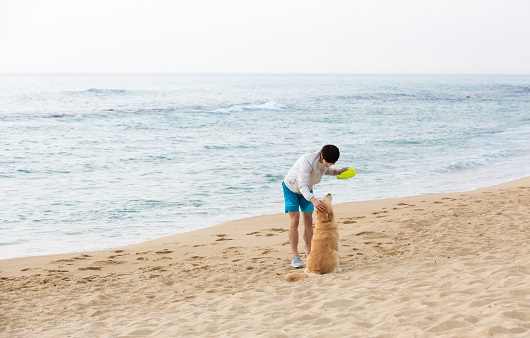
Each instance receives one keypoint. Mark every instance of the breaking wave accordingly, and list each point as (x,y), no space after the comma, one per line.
(267,105)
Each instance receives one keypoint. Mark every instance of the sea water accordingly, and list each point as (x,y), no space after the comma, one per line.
(90,162)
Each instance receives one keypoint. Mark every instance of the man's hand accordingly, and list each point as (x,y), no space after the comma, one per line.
(318,204)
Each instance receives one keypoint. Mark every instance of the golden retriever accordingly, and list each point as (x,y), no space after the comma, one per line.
(324,256)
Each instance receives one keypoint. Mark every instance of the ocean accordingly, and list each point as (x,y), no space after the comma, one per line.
(91,162)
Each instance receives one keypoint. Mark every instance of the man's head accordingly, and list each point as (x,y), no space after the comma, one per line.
(330,154)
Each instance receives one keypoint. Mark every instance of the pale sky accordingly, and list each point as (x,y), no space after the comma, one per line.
(265,36)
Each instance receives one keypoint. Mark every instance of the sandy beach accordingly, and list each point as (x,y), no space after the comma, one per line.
(452,265)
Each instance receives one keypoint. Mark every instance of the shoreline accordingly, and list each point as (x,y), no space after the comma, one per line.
(437,264)
(118,247)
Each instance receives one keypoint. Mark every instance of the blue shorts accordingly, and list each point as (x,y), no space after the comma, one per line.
(296,202)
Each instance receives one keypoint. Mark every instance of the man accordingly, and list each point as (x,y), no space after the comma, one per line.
(298,194)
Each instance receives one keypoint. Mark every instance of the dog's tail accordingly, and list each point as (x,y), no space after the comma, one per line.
(295,276)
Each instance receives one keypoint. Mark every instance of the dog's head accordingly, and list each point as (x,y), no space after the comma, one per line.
(323,216)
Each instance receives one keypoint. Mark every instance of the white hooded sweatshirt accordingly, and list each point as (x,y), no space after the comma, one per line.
(305,173)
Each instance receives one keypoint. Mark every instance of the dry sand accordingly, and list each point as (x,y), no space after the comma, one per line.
(452,265)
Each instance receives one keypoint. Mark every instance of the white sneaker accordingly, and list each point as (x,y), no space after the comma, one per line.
(297,262)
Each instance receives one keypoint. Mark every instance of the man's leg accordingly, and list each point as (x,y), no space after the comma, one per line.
(308,231)
(294,218)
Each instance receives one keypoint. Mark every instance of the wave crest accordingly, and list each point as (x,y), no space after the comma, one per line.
(238,108)
(476,161)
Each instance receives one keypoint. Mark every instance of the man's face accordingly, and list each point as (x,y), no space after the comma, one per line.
(326,163)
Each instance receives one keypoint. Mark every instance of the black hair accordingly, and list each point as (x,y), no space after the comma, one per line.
(330,153)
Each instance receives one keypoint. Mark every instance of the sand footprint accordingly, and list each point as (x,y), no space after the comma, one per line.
(274,231)
(233,250)
(163,251)
(95,268)
(222,237)
(119,252)
(267,250)
(277,229)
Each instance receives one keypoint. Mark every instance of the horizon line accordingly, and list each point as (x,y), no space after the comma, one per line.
(263,73)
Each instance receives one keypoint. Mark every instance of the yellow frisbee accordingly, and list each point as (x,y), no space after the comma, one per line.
(347,174)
